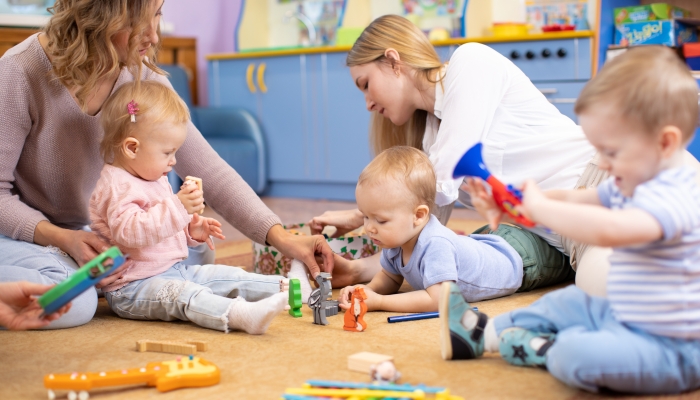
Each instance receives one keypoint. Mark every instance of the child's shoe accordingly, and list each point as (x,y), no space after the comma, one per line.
(516,347)
(457,342)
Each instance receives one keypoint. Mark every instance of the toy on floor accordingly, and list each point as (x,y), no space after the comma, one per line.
(416,317)
(88,275)
(318,389)
(295,298)
(363,362)
(198,182)
(185,347)
(354,316)
(384,372)
(320,300)
(165,376)
(472,164)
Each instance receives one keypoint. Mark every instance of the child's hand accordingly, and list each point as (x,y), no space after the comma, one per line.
(202,229)
(533,199)
(483,201)
(373,301)
(191,197)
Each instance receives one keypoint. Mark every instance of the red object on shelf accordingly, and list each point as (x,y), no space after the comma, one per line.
(691,50)
(558,27)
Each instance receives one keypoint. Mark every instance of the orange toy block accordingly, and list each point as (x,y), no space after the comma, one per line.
(354,321)
(198,181)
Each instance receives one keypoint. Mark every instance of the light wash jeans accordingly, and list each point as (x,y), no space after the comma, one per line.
(592,350)
(201,294)
(22,261)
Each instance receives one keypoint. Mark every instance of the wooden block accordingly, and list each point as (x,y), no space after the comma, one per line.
(362,362)
(170,346)
(198,181)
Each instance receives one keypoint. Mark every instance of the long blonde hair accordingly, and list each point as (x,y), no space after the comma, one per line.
(416,52)
(79,41)
(155,103)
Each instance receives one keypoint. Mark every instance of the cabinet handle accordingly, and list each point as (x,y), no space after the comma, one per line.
(261,77)
(249,78)
(565,101)
(548,91)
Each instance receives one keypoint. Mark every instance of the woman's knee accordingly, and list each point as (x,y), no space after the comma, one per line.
(81,312)
(592,270)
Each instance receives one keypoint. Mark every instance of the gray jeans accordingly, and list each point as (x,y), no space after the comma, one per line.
(22,261)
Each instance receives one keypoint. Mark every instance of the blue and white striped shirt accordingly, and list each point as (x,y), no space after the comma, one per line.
(656,286)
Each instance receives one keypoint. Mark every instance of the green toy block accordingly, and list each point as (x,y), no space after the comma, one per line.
(295,298)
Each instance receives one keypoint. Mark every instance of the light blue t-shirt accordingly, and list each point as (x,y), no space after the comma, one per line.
(656,286)
(484,266)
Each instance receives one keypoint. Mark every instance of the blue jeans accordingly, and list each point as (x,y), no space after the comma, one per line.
(22,261)
(593,350)
(201,294)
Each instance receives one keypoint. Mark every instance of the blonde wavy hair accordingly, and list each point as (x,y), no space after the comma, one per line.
(155,102)
(79,41)
(416,52)
(408,165)
(647,85)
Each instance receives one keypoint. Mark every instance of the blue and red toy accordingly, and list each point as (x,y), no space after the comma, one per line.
(506,197)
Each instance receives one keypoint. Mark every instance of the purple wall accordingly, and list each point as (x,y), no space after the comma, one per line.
(212,22)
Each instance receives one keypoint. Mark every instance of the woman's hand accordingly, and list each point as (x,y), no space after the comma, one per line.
(302,248)
(191,197)
(344,222)
(483,201)
(20,309)
(201,229)
(373,301)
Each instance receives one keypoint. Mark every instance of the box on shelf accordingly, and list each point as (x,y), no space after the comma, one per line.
(671,32)
(691,52)
(649,12)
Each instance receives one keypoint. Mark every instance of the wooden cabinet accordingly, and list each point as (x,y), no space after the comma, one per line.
(174,50)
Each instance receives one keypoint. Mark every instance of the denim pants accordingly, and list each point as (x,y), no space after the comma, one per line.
(201,294)
(592,350)
(22,261)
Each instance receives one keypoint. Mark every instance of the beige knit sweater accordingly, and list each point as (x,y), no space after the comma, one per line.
(50,161)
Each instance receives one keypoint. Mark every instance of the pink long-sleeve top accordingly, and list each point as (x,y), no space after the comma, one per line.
(144,219)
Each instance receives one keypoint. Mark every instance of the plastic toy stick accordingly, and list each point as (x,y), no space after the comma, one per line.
(88,275)
(472,164)
(416,317)
(165,376)
(365,394)
(362,385)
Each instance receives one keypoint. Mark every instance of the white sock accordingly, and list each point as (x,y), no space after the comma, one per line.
(469,320)
(298,271)
(254,318)
(537,342)
(490,338)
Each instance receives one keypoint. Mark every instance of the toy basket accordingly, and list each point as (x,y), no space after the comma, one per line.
(268,260)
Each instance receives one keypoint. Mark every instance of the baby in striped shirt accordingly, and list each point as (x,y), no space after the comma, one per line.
(134,208)
(640,113)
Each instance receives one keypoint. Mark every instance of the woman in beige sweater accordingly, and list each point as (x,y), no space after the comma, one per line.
(53,87)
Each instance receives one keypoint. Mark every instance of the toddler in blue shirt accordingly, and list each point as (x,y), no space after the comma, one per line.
(640,112)
(395,194)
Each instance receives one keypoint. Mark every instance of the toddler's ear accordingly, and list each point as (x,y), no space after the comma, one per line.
(671,140)
(130,147)
(421,214)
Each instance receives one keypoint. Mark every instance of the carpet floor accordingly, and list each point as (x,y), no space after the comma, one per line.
(291,352)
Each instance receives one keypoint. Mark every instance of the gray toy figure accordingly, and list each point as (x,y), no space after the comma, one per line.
(320,300)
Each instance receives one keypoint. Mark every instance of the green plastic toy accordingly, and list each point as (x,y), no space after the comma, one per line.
(295,298)
(88,275)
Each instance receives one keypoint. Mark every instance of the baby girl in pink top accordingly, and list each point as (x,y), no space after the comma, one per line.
(134,208)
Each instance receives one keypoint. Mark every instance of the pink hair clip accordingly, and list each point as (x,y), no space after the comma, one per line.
(133,108)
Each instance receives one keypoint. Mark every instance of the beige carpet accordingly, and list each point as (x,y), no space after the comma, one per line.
(261,367)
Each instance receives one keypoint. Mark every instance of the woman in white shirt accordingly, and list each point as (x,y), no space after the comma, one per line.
(444,109)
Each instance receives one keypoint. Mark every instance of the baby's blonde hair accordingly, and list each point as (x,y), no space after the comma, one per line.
(405,164)
(156,103)
(648,85)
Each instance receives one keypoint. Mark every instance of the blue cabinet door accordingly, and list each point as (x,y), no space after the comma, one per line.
(345,121)
(562,94)
(282,116)
(228,85)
